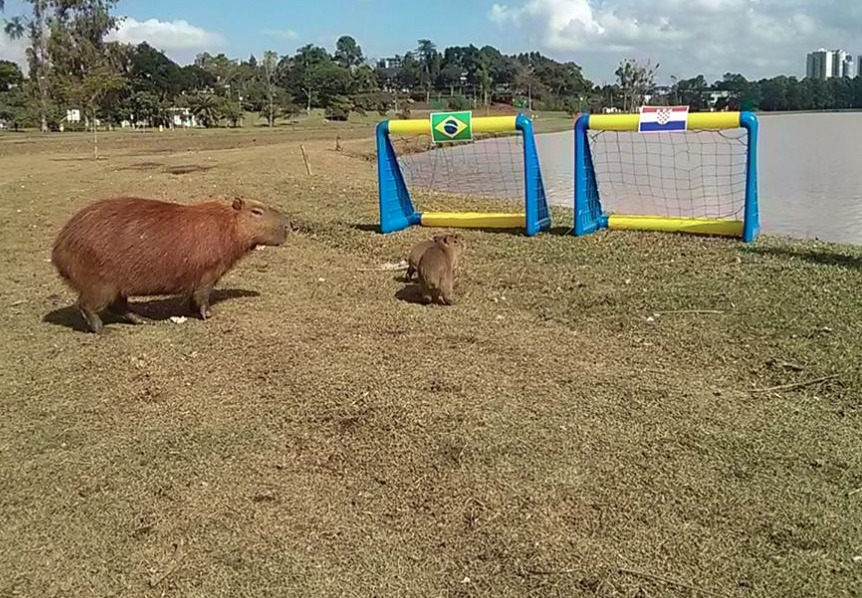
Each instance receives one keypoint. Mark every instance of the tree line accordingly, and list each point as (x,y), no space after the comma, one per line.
(72,66)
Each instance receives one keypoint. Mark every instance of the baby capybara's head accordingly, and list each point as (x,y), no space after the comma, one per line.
(259,223)
(453,242)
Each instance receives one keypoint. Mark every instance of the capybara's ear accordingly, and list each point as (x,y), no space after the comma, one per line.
(238,203)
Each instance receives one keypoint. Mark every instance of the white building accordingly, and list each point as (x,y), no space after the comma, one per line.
(842,64)
(826,64)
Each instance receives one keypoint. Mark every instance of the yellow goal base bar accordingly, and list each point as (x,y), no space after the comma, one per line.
(473,220)
(699,226)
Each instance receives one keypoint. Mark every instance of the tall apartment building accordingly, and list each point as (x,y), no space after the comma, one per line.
(826,64)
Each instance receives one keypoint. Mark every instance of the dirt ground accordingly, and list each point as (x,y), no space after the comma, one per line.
(624,415)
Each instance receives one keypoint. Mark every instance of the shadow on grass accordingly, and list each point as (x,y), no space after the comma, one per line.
(187,169)
(153,309)
(825,258)
(412,293)
(556,231)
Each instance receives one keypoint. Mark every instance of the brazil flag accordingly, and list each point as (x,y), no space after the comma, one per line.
(451,126)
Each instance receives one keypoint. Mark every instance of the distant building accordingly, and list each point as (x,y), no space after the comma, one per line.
(391,63)
(182,117)
(714,97)
(842,65)
(828,64)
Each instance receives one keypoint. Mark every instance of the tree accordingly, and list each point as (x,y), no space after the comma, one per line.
(409,76)
(450,76)
(348,54)
(15,28)
(92,90)
(297,73)
(635,80)
(219,66)
(232,111)
(365,80)
(35,29)
(194,79)
(269,67)
(430,65)
(16,107)
(207,108)
(150,70)
(10,75)
(143,106)
(690,92)
(338,108)
(84,67)
(327,80)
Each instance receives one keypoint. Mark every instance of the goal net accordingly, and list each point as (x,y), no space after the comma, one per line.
(701,180)
(494,163)
(491,167)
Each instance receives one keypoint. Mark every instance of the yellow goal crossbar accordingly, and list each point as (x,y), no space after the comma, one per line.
(696,121)
(473,220)
(480,124)
(702,226)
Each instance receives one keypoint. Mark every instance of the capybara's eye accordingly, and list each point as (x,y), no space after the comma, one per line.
(257,211)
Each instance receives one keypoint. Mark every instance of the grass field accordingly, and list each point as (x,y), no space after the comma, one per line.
(593,419)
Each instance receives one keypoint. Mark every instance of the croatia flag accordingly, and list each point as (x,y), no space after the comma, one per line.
(655,119)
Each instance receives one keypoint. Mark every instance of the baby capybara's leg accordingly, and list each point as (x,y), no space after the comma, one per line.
(121,308)
(425,292)
(447,297)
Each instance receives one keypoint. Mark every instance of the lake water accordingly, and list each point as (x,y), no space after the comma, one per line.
(810,174)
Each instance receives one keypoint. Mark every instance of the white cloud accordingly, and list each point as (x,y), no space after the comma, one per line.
(14,50)
(179,39)
(687,37)
(286,34)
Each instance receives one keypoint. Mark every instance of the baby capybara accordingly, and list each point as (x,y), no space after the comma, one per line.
(437,270)
(419,250)
(116,248)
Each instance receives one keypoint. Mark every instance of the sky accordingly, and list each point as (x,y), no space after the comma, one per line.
(758,38)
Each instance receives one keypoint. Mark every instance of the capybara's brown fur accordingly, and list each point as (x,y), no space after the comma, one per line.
(116,248)
(419,250)
(437,270)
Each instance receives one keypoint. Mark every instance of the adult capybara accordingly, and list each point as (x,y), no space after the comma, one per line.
(116,248)
(437,270)
(419,250)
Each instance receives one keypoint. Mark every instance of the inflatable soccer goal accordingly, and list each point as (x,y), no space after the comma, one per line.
(455,156)
(667,170)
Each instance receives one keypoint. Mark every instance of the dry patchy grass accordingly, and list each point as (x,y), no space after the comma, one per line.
(581,415)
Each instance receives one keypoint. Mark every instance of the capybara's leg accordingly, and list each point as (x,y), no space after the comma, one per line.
(121,308)
(93,301)
(200,302)
(410,271)
(94,322)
